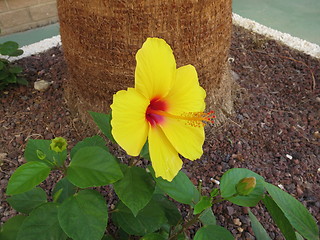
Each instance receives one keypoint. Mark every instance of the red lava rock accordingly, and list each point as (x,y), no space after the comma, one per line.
(245,210)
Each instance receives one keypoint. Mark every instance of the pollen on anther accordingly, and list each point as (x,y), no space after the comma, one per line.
(198,119)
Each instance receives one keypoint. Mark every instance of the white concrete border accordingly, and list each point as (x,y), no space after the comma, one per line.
(285,38)
(38,47)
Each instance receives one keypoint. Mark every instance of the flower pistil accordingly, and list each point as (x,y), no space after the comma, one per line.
(195,119)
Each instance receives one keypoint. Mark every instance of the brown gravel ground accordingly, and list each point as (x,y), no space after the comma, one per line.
(276,116)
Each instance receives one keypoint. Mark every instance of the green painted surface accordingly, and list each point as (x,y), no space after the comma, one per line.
(33,35)
(300,18)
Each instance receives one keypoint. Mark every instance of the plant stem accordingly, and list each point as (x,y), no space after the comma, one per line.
(114,210)
(185,226)
(195,218)
(64,169)
(224,199)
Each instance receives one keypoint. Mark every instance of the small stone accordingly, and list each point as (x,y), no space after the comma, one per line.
(240,229)
(299,191)
(24,98)
(230,210)
(289,156)
(42,85)
(248,236)
(20,160)
(235,75)
(246,115)
(316,134)
(49,136)
(19,139)
(296,144)
(318,99)
(237,222)
(215,181)
(3,156)
(244,219)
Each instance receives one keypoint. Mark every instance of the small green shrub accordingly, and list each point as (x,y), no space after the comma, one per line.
(10,73)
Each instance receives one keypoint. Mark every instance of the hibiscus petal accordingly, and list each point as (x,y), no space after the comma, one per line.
(186,95)
(186,139)
(165,159)
(129,125)
(155,70)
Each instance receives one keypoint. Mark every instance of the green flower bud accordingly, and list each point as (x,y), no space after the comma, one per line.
(246,185)
(59,144)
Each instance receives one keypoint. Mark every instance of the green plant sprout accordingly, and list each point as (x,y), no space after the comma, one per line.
(10,73)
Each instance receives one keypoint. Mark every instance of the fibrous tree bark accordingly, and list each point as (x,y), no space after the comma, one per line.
(101,37)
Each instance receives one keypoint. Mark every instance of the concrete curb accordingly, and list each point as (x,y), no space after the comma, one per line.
(309,48)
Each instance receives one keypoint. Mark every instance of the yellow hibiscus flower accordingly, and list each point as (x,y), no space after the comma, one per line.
(165,106)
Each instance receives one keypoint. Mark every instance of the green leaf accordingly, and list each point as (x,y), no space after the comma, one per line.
(1,65)
(214,192)
(27,201)
(107,237)
(148,220)
(15,69)
(3,60)
(230,179)
(279,218)
(169,208)
(296,213)
(145,151)
(16,53)
(9,230)
(42,224)
(122,235)
(135,189)
(180,189)
(204,203)
(11,78)
(26,177)
(298,236)
(93,167)
(213,232)
(207,217)
(8,48)
(104,123)
(22,81)
(33,145)
(63,189)
(258,229)
(3,74)
(89,142)
(153,236)
(84,216)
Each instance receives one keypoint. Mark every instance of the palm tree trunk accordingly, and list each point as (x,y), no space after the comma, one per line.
(100,39)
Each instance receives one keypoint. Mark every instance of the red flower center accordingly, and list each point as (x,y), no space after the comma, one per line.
(156,104)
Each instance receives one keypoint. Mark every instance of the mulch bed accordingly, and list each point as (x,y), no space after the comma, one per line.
(273,132)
